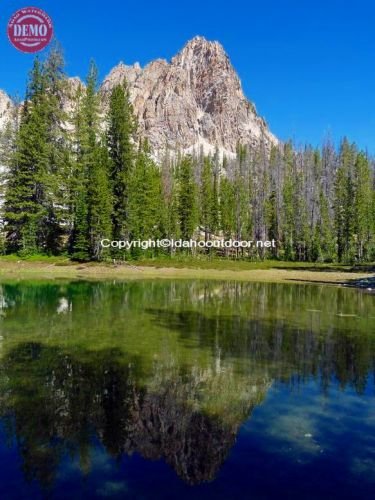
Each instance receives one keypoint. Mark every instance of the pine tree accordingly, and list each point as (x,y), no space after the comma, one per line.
(93,199)
(326,223)
(272,202)
(362,202)
(187,202)
(120,140)
(34,201)
(145,199)
(59,157)
(302,232)
(207,200)
(344,194)
(243,196)
(215,211)
(227,207)
(169,186)
(7,150)
(289,208)
(25,192)
(79,247)
(271,218)
(99,201)
(80,242)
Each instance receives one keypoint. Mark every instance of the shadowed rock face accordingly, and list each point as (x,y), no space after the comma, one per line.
(55,401)
(163,426)
(195,100)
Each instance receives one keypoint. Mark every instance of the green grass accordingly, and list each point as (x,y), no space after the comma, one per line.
(39,258)
(202,262)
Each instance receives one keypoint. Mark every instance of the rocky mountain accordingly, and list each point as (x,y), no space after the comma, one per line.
(6,106)
(193,101)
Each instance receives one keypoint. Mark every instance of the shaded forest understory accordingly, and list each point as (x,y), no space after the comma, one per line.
(71,182)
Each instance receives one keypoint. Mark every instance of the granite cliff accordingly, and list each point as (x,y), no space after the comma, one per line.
(194,101)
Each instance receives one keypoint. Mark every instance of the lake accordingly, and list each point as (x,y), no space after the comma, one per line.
(187,390)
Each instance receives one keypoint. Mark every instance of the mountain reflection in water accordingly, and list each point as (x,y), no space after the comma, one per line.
(129,368)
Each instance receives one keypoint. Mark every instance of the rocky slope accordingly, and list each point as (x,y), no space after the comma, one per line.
(193,101)
(6,107)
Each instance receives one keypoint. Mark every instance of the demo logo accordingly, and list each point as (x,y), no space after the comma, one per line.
(30,29)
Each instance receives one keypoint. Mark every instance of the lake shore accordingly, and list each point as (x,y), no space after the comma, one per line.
(333,275)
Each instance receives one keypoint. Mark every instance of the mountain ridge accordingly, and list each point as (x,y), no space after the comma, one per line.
(193,102)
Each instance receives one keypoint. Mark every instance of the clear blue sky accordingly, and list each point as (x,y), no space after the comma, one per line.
(308,65)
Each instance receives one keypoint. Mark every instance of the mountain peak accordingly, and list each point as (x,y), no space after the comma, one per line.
(119,73)
(193,102)
(200,42)
(200,50)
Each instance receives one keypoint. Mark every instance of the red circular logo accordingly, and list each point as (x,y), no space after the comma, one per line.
(30,29)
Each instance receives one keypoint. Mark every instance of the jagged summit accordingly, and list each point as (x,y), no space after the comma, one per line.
(200,45)
(193,101)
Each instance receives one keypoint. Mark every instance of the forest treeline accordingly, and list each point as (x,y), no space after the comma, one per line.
(70,182)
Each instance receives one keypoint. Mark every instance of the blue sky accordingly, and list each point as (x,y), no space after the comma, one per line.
(308,65)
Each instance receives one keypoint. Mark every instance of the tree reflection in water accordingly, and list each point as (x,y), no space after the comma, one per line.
(128,366)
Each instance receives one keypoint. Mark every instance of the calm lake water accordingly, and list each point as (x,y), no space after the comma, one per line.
(186,390)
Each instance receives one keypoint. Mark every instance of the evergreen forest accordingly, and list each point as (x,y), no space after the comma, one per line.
(73,179)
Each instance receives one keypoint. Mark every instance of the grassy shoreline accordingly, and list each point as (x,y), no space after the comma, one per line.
(268,271)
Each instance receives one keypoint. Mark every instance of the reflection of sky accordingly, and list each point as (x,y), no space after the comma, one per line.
(302,431)
(12,482)
(313,424)
(305,439)
(297,441)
